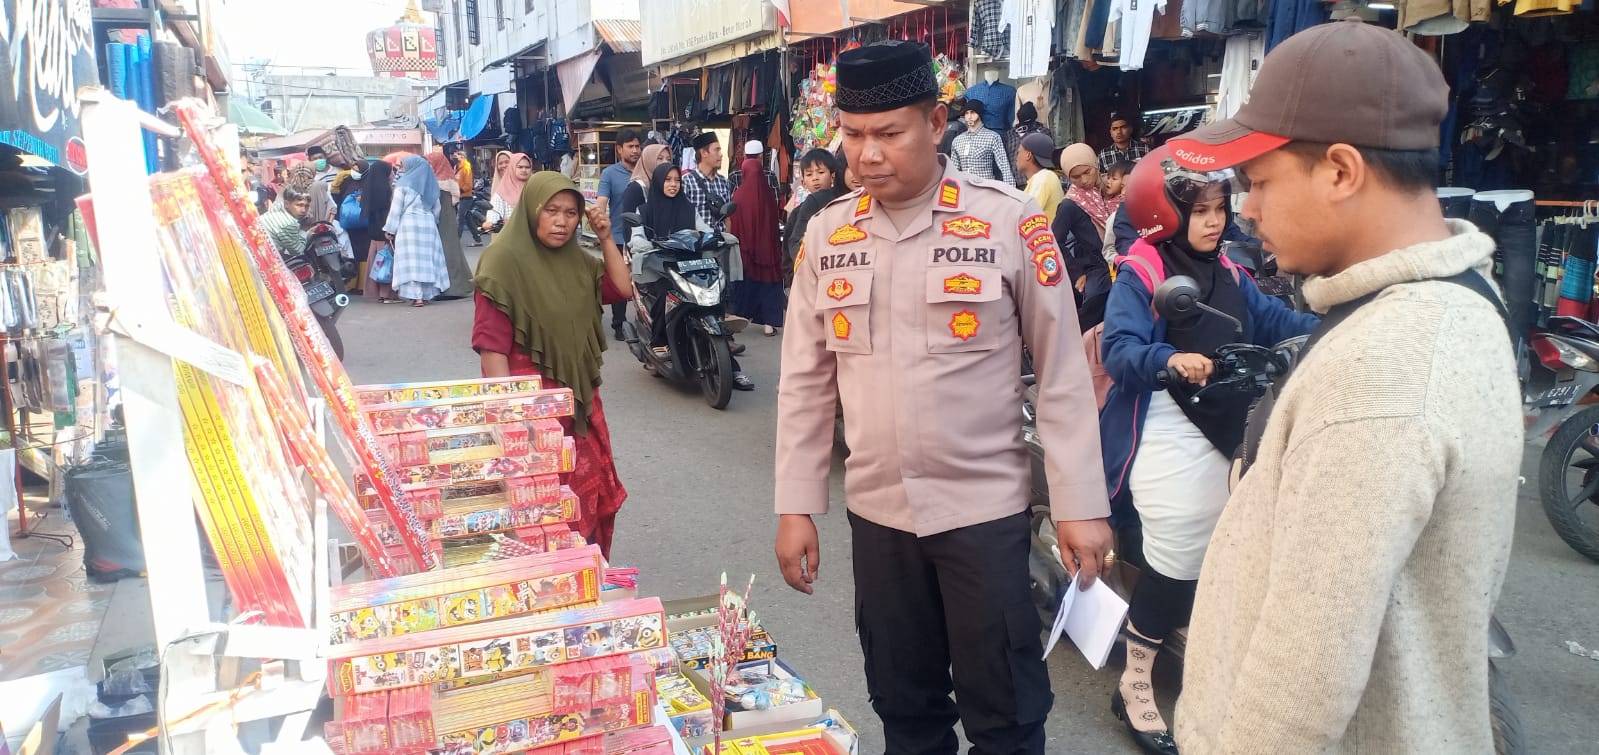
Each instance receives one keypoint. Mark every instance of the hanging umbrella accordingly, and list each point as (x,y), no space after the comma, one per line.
(251,120)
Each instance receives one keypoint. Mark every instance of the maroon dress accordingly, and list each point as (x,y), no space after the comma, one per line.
(599,490)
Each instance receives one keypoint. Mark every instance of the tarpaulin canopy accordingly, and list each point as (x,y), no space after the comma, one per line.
(251,120)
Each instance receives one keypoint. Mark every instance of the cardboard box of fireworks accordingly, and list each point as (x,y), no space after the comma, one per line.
(826,735)
(690,622)
(765,693)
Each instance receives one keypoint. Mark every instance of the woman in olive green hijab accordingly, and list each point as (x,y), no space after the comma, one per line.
(538,313)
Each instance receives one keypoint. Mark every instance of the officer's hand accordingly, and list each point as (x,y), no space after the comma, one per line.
(1195,368)
(799,553)
(1084,544)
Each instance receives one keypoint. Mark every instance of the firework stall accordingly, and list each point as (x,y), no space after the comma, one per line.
(435,598)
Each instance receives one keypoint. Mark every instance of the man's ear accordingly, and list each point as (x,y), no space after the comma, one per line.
(1345,171)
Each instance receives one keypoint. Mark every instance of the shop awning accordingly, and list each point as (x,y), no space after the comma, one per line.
(574,75)
(721,55)
(251,120)
(622,36)
(477,116)
(524,53)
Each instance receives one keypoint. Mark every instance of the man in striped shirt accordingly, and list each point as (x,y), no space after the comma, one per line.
(981,152)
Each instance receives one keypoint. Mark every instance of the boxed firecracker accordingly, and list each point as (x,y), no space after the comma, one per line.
(829,735)
(517,492)
(688,711)
(430,600)
(487,470)
(511,645)
(654,740)
(400,393)
(420,416)
(763,693)
(364,725)
(692,625)
(547,707)
(411,718)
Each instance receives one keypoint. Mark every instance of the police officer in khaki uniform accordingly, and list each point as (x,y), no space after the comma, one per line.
(912,300)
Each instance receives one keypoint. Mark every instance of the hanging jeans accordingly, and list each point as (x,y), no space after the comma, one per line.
(1511,218)
(1456,202)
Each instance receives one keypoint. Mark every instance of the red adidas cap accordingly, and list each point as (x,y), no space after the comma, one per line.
(1339,83)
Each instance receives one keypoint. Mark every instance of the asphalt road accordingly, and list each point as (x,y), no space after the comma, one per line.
(700,498)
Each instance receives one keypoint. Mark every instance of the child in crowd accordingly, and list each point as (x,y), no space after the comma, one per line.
(1116,180)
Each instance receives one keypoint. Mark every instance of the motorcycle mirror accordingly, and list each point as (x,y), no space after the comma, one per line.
(632,219)
(727,210)
(1177,298)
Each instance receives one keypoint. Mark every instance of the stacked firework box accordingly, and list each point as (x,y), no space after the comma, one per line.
(472,666)
(480,460)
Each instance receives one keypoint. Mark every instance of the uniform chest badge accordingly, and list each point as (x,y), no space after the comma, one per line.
(967,227)
(840,326)
(846,234)
(964,324)
(963,284)
(840,289)
(1032,224)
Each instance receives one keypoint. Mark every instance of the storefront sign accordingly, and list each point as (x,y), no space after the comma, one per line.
(675,28)
(49,55)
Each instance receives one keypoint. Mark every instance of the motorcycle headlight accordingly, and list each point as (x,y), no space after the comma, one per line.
(704,296)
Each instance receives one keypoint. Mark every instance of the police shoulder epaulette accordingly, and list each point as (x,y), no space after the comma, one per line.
(843,198)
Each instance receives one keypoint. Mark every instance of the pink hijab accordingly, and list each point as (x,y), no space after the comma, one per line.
(506,185)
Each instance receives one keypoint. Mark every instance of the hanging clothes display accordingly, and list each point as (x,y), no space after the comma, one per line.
(1239,63)
(1289,17)
(999,104)
(989,34)
(1137,18)
(1031,30)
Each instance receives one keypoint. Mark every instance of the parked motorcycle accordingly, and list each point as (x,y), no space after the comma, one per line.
(324,272)
(677,297)
(1239,368)
(1568,472)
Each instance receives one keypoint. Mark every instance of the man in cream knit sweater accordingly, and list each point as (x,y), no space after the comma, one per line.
(1344,602)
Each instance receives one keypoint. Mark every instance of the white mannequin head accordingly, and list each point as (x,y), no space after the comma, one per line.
(991,76)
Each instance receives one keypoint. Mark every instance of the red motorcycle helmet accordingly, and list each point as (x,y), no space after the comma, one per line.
(1160,194)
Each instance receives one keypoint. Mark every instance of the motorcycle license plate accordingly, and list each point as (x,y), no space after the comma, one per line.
(1559,395)
(695,266)
(318,291)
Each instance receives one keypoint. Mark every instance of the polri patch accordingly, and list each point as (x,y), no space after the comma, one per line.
(840,289)
(846,234)
(1033,224)
(1049,268)
(949,195)
(1040,241)
(840,326)
(964,324)
(963,284)
(967,227)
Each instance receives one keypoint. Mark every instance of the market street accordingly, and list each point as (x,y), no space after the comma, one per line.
(700,502)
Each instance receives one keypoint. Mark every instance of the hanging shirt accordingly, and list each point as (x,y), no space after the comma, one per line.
(999,103)
(1031,30)
(988,28)
(981,153)
(1239,64)
(1137,18)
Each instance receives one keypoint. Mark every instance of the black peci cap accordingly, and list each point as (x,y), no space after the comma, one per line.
(885,76)
(705,139)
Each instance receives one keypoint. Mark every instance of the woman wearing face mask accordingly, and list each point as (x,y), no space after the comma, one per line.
(538,313)
(444,173)
(420,271)
(349,193)
(1167,459)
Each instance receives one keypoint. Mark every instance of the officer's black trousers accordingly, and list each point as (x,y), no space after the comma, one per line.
(957,601)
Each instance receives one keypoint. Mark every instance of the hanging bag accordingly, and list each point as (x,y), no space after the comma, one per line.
(383,265)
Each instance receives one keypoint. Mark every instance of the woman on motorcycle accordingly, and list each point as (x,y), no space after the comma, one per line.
(538,313)
(638,188)
(667,211)
(1167,458)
